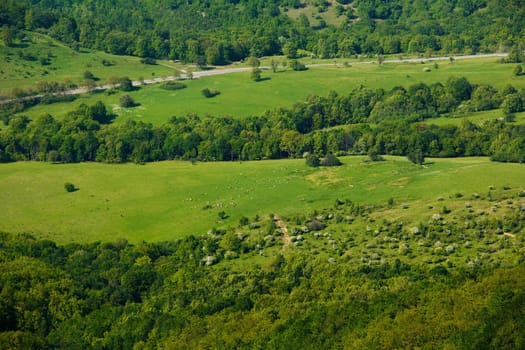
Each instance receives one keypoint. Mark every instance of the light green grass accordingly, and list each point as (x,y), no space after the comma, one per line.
(477,118)
(241,97)
(312,13)
(67,64)
(162,201)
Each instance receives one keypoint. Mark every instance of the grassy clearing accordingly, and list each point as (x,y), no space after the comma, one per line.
(241,97)
(167,200)
(67,64)
(478,118)
(313,14)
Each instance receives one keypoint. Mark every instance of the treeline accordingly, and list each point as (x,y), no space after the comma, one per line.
(218,32)
(163,295)
(321,125)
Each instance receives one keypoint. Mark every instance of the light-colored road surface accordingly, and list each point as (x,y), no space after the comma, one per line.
(220,71)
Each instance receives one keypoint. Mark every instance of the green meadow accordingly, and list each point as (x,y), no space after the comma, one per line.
(241,97)
(477,118)
(168,200)
(66,64)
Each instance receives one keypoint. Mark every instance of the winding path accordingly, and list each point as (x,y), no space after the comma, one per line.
(282,226)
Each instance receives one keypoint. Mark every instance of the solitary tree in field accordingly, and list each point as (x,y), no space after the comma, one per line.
(125,84)
(518,70)
(69,187)
(253,61)
(331,160)
(312,160)
(416,156)
(256,74)
(126,101)
(89,75)
(274,66)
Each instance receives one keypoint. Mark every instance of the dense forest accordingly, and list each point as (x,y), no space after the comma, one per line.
(363,122)
(218,32)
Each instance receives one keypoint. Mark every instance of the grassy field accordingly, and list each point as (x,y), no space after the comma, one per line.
(67,64)
(241,97)
(477,118)
(313,14)
(167,200)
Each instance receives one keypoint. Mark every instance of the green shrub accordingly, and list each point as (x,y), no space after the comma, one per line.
(126,101)
(70,187)
(297,66)
(173,85)
(331,160)
(312,160)
(209,93)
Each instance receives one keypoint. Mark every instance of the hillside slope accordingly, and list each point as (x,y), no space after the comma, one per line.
(222,31)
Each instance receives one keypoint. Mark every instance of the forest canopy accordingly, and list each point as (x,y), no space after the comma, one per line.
(219,32)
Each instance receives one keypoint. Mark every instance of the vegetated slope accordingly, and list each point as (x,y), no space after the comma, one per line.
(353,275)
(38,58)
(167,200)
(221,31)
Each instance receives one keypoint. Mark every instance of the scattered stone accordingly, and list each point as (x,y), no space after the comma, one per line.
(209,260)
(415,230)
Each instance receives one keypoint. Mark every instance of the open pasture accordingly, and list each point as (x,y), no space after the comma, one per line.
(167,200)
(241,97)
(477,118)
(22,66)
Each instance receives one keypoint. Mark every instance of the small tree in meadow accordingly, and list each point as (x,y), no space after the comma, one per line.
(125,84)
(331,160)
(416,156)
(69,187)
(312,160)
(256,74)
(126,101)
(89,75)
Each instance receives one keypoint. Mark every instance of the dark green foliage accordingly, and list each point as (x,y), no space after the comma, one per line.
(107,63)
(220,32)
(312,160)
(89,75)
(374,156)
(331,160)
(416,156)
(304,128)
(148,60)
(154,294)
(173,85)
(126,101)
(209,93)
(256,74)
(125,84)
(69,187)
(296,65)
